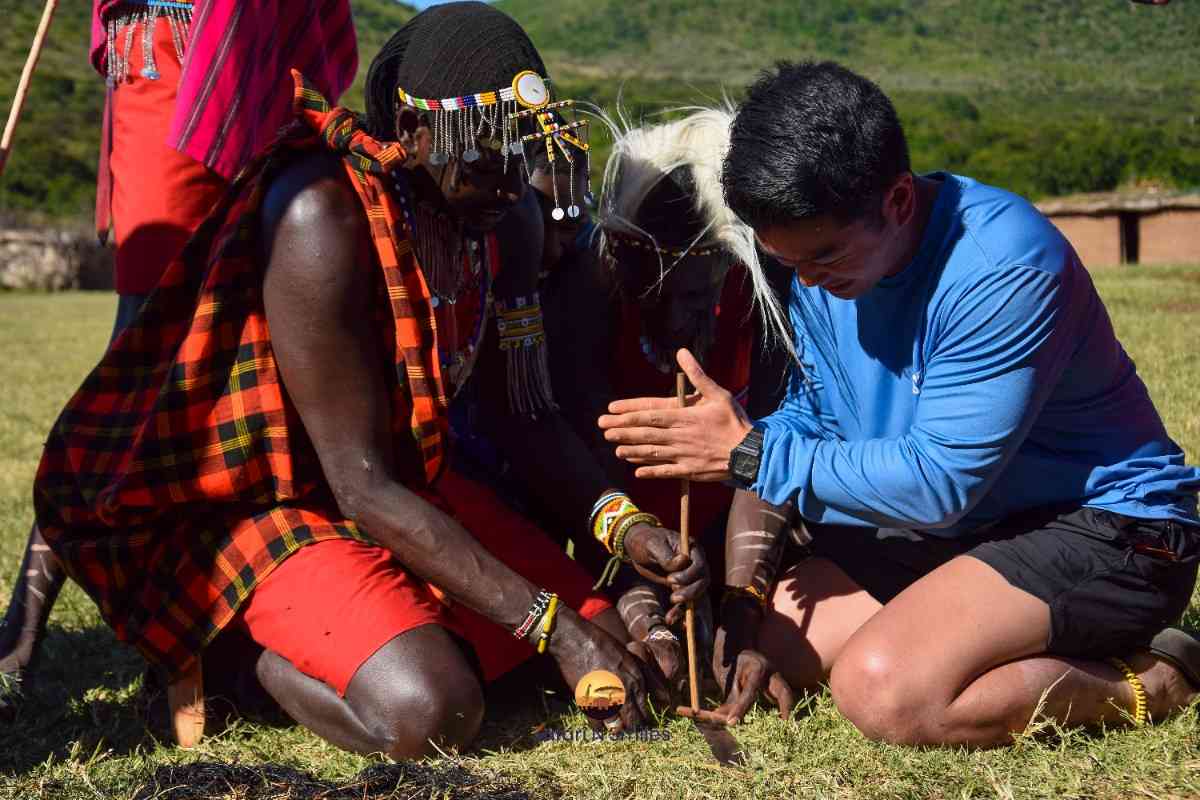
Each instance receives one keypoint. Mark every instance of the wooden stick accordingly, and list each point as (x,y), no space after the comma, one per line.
(689,619)
(185,699)
(23,85)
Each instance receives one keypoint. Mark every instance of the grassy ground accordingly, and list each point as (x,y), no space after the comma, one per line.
(87,733)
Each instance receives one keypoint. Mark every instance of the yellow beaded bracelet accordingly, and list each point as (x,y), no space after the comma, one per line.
(624,525)
(607,514)
(1139,690)
(751,591)
(548,624)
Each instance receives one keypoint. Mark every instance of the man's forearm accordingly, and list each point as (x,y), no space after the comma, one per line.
(436,548)
(755,537)
(560,472)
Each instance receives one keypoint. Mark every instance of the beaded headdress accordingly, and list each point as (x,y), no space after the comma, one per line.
(509,120)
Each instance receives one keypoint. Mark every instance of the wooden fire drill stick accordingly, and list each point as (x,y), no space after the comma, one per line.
(689,619)
(23,84)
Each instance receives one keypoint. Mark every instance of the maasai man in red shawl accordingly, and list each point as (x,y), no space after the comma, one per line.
(195,88)
(265,448)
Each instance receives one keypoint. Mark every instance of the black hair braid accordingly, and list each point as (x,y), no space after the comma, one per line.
(381,85)
(448,50)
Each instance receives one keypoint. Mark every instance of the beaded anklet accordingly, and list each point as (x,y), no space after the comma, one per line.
(1139,690)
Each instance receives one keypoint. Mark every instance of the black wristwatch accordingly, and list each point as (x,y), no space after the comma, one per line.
(744,459)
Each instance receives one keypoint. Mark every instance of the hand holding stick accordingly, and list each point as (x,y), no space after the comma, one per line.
(721,743)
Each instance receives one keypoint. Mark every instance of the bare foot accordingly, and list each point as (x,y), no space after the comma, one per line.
(1167,691)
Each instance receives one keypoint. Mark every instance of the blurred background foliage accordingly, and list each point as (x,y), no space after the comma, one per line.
(1042,98)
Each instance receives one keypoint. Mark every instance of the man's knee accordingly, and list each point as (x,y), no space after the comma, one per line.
(874,689)
(416,690)
(407,718)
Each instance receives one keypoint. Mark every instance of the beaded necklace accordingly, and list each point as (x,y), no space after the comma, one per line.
(129,15)
(460,265)
(449,260)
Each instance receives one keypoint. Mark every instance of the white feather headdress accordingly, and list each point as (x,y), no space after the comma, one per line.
(643,156)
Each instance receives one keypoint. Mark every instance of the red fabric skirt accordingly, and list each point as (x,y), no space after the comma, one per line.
(330,606)
(159,195)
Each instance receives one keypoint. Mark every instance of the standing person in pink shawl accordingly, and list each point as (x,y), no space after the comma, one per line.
(194,89)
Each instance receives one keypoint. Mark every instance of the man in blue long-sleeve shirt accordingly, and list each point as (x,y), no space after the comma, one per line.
(996,510)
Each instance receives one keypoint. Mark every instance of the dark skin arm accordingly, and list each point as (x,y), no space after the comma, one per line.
(581,349)
(755,537)
(318,292)
(546,452)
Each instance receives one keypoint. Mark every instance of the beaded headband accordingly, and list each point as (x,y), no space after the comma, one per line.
(459,123)
(626,240)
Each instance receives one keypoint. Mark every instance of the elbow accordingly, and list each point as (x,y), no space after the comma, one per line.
(946,502)
(944,487)
(941,518)
(353,493)
(351,500)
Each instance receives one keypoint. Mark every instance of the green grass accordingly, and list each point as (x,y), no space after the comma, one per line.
(86,733)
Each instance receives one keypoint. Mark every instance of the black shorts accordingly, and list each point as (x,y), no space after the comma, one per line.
(1112,582)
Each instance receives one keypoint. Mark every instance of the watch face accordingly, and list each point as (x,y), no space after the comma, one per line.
(742,464)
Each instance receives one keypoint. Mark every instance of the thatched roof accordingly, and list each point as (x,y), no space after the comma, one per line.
(1115,202)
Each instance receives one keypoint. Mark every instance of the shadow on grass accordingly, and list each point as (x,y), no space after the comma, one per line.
(521,705)
(82,692)
(206,779)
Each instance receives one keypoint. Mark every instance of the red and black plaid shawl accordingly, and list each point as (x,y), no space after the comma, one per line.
(179,475)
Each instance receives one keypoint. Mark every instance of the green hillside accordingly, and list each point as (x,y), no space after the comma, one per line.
(1093,46)
(1045,98)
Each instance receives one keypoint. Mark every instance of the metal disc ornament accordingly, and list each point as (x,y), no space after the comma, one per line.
(438,159)
(530,89)
(558,214)
(470,156)
(573,211)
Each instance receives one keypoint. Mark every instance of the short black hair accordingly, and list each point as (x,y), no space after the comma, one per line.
(812,139)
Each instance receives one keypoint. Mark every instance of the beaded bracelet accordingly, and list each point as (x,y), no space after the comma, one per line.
(750,591)
(661,633)
(607,512)
(604,498)
(625,524)
(536,612)
(616,543)
(1139,690)
(548,624)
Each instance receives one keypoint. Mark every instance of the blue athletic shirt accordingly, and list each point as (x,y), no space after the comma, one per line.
(982,380)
